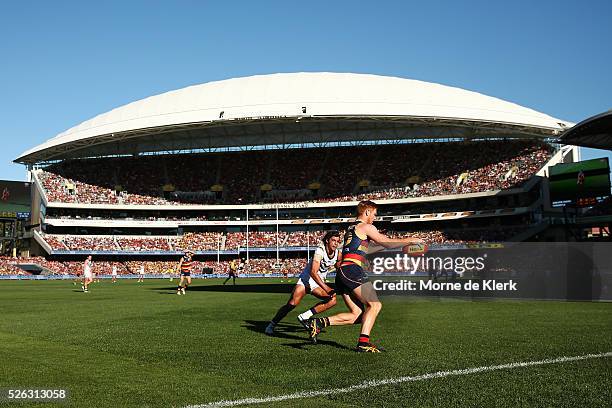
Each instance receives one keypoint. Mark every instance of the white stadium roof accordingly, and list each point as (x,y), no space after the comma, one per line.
(269,110)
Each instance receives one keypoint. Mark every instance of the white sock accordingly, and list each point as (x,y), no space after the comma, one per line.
(306,315)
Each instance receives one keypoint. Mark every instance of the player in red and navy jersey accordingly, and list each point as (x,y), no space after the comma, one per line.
(185,267)
(352,281)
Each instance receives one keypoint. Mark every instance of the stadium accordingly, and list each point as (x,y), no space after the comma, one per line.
(209,165)
(256,170)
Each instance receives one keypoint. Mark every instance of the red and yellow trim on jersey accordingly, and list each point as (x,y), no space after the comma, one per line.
(353,259)
(355,248)
(186,266)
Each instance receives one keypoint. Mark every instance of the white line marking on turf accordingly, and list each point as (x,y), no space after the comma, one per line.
(377,383)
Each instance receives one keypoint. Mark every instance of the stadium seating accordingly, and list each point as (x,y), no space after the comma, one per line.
(460,236)
(56,243)
(54,267)
(145,244)
(256,239)
(267,266)
(202,241)
(109,243)
(254,266)
(96,243)
(333,174)
(211,241)
(7,266)
(301,238)
(208,241)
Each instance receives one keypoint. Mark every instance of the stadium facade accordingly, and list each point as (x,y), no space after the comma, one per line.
(258,167)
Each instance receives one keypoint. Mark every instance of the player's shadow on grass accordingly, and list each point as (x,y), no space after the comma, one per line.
(288,331)
(251,288)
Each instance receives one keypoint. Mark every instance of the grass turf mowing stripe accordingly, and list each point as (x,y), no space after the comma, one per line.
(388,381)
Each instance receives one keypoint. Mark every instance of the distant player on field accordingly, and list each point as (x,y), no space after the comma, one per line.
(78,278)
(312,280)
(114,273)
(241,267)
(141,273)
(87,274)
(185,267)
(285,273)
(352,282)
(232,271)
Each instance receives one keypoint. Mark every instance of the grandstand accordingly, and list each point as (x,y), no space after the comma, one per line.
(259,167)
(382,173)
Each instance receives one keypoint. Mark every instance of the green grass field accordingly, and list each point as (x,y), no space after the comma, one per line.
(131,345)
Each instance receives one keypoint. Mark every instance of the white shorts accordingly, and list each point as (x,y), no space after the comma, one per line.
(88,275)
(312,285)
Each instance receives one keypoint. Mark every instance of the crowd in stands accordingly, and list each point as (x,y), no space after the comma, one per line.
(70,267)
(109,243)
(302,238)
(333,174)
(145,244)
(260,265)
(267,266)
(196,241)
(262,239)
(243,173)
(100,215)
(211,241)
(253,266)
(200,241)
(460,236)
(55,267)
(235,240)
(257,239)
(94,243)
(294,265)
(494,166)
(151,267)
(267,239)
(56,243)
(67,190)
(7,266)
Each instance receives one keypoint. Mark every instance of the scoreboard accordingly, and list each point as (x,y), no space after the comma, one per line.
(579,183)
(15,199)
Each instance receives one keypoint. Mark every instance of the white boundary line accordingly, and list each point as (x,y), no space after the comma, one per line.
(377,383)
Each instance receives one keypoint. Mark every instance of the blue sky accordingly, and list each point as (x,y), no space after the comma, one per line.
(64,62)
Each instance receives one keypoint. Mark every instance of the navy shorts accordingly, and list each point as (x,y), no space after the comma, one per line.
(349,278)
(185,273)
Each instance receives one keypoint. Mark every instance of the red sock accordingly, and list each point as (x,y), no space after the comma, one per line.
(363,339)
